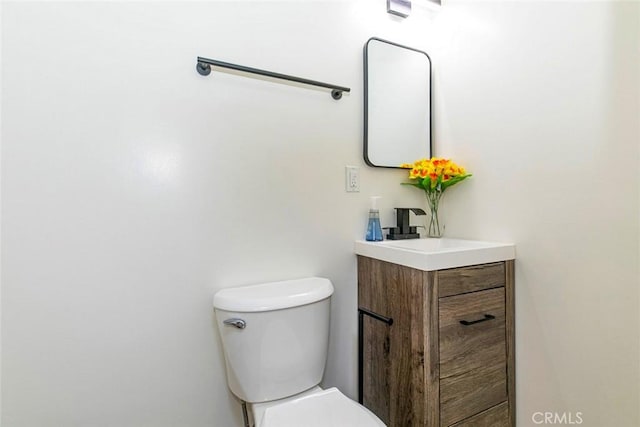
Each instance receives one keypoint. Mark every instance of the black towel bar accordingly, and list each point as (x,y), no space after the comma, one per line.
(204,68)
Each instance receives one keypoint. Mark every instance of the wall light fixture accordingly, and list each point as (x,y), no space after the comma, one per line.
(399,7)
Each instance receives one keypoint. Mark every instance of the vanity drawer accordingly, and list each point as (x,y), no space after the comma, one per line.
(498,416)
(470,279)
(472,331)
(463,396)
(473,371)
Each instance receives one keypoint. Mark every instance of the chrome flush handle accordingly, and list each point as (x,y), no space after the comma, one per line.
(238,323)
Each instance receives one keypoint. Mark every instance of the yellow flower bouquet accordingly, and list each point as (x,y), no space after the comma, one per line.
(434,176)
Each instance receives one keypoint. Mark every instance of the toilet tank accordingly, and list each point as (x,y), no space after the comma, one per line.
(276,340)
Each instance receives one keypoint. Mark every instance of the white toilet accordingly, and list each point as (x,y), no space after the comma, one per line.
(275,338)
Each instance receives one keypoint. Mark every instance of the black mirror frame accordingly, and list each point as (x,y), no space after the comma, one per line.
(366,101)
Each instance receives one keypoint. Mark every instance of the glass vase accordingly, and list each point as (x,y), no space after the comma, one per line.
(435,229)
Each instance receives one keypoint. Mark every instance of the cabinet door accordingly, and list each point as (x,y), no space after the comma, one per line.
(395,363)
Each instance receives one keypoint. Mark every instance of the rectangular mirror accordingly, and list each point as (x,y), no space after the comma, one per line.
(397,104)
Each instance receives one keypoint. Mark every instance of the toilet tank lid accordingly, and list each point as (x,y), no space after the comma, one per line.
(274,295)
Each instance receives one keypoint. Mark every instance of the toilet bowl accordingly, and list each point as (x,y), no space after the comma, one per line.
(275,338)
(321,408)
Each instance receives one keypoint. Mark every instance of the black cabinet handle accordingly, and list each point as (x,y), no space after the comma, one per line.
(486,317)
(380,317)
(361,313)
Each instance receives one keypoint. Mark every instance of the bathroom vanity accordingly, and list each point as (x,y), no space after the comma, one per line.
(436,320)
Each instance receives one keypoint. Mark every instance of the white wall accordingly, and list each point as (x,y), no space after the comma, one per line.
(541,100)
(1,6)
(133,189)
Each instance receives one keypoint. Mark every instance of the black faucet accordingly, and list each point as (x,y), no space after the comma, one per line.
(403,230)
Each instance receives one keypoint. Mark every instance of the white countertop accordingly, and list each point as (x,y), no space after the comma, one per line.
(431,254)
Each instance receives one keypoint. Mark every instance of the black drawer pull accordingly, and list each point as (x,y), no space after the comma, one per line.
(486,317)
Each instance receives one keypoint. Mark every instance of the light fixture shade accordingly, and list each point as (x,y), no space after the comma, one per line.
(399,7)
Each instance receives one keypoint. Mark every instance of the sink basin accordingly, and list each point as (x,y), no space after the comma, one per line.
(436,254)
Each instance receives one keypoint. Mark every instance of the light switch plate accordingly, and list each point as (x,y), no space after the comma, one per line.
(352,179)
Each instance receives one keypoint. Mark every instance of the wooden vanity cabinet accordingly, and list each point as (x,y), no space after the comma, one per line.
(448,357)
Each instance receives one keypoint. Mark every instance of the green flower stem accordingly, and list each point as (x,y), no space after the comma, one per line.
(433,197)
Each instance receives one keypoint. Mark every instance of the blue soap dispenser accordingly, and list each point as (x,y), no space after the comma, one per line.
(374,231)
